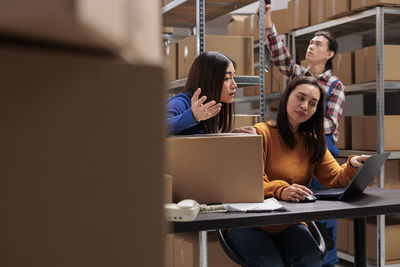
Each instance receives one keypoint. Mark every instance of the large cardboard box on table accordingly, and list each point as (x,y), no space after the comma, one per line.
(361,4)
(337,8)
(299,14)
(76,173)
(118,26)
(238,48)
(363,132)
(186,251)
(210,167)
(365,63)
(280,18)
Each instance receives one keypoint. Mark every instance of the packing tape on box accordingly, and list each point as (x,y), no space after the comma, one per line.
(296,14)
(333,6)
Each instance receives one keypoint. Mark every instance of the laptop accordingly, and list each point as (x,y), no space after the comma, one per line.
(360,181)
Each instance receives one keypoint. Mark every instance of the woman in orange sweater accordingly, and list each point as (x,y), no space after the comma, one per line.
(294,152)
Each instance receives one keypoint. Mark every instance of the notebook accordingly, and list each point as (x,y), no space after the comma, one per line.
(360,181)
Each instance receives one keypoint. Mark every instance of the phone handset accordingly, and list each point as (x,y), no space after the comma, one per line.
(184,211)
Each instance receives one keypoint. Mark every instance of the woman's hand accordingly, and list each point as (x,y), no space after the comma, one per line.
(267,16)
(246,129)
(202,112)
(295,193)
(358,161)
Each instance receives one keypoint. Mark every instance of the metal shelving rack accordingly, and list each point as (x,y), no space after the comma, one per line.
(371,21)
(179,13)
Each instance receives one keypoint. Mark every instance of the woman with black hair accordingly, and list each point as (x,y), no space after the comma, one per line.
(211,78)
(294,151)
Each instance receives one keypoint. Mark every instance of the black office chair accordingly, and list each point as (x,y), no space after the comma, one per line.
(235,257)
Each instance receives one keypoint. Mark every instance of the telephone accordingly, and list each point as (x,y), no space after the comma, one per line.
(184,211)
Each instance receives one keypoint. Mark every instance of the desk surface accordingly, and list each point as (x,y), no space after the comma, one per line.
(375,201)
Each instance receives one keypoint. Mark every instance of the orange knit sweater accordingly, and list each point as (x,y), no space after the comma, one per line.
(284,166)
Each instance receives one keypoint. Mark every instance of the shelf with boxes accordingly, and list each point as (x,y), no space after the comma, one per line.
(180,13)
(372,71)
(362,71)
(190,14)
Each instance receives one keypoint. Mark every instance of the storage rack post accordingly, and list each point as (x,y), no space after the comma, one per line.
(200,25)
(380,112)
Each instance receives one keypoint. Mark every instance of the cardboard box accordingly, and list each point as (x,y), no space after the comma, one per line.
(361,4)
(281,20)
(241,120)
(342,235)
(337,8)
(236,25)
(186,251)
(236,159)
(343,67)
(278,81)
(363,132)
(118,26)
(239,48)
(167,188)
(171,55)
(299,14)
(392,240)
(255,90)
(169,250)
(344,129)
(392,176)
(318,11)
(74,167)
(251,27)
(365,63)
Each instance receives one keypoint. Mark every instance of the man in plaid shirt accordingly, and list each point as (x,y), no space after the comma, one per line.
(321,50)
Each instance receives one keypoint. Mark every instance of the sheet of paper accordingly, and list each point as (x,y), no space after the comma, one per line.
(269,204)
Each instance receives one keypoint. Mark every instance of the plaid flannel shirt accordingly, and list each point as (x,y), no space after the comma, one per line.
(281,58)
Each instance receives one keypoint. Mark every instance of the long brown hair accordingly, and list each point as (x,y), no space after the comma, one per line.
(313,128)
(208,73)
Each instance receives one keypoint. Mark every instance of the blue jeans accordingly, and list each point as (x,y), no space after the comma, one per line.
(294,246)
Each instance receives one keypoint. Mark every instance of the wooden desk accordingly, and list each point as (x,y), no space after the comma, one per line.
(375,201)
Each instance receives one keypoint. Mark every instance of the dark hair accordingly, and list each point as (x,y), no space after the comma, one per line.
(208,72)
(332,46)
(313,128)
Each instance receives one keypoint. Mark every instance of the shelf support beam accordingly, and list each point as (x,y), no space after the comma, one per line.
(200,25)
(380,112)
